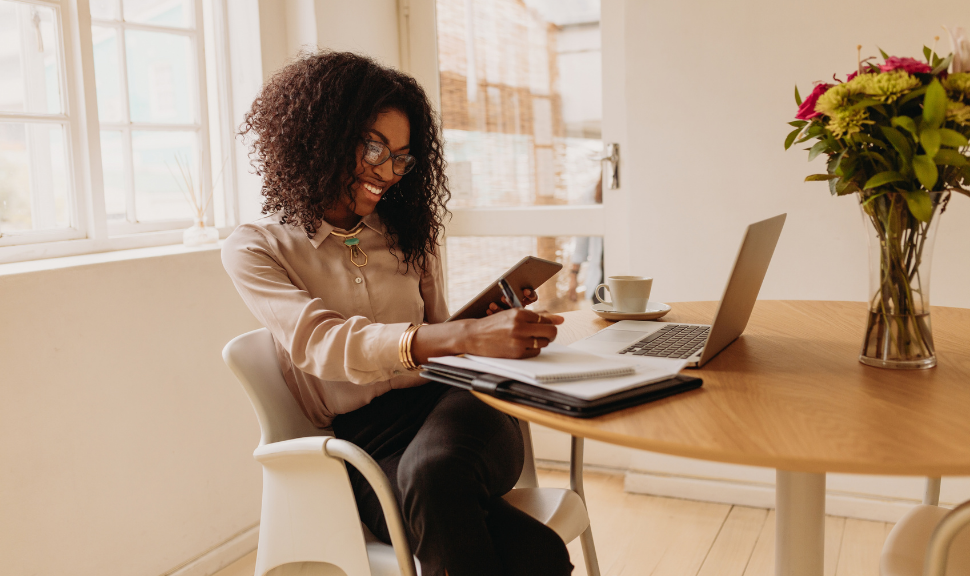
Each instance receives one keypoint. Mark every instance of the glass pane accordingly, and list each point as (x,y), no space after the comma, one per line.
(176,13)
(107,73)
(34,182)
(113,166)
(474,262)
(158,183)
(105,10)
(521,100)
(30,68)
(160,71)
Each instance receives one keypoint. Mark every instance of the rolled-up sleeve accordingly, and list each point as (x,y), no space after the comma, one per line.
(319,341)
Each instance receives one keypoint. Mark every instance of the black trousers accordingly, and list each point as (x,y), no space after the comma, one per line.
(450,458)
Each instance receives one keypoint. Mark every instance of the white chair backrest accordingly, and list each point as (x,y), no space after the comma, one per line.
(252,358)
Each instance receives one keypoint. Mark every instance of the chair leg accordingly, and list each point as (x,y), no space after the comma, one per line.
(932,494)
(576,483)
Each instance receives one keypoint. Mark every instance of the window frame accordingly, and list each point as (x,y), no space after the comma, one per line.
(90,230)
(68,120)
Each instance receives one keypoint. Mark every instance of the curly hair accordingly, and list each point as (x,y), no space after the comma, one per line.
(305,125)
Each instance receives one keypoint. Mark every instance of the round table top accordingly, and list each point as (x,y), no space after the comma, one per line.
(791,394)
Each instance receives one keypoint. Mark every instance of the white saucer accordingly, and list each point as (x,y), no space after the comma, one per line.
(654,310)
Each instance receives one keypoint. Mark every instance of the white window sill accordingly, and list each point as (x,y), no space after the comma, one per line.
(109,255)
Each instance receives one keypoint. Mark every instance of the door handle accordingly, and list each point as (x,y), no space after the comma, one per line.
(611,171)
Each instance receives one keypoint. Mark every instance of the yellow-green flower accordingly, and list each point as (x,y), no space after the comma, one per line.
(958,85)
(958,112)
(834,99)
(887,86)
(847,122)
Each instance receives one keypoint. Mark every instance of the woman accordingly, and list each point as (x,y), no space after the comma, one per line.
(344,270)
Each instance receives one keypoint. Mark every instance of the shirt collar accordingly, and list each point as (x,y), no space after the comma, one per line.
(372,221)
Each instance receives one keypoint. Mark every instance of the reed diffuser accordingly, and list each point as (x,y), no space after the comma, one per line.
(198,234)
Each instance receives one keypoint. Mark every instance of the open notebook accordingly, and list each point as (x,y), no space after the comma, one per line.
(637,379)
(556,363)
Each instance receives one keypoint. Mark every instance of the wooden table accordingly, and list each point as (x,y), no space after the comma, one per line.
(790,394)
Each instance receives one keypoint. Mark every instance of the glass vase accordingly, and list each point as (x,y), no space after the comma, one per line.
(199,234)
(898,333)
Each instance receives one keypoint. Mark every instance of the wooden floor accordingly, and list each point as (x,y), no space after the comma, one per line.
(644,535)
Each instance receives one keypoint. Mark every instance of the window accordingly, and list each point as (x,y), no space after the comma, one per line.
(521,113)
(38,188)
(148,61)
(95,123)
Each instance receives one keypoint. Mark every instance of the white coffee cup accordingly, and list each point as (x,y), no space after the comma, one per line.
(628,294)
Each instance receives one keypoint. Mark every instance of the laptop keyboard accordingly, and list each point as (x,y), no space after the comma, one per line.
(674,341)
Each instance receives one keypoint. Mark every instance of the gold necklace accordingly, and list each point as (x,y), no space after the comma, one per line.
(353,242)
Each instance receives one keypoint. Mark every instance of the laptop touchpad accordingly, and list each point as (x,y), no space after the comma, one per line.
(616,336)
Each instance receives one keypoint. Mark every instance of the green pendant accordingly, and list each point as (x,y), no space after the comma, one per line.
(352,241)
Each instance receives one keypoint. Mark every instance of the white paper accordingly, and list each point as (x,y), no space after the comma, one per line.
(647,371)
(557,363)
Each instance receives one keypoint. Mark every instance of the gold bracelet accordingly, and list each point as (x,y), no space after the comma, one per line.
(404,348)
(410,353)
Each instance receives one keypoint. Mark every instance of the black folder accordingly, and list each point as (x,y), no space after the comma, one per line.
(536,397)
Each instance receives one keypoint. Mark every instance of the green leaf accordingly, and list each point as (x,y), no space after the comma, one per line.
(884,55)
(934,105)
(860,137)
(879,157)
(914,94)
(942,65)
(883,178)
(952,138)
(798,97)
(925,170)
(843,188)
(835,161)
(819,177)
(930,139)
(819,147)
(906,123)
(920,204)
(798,123)
(899,142)
(864,103)
(871,198)
(791,137)
(947,157)
(928,53)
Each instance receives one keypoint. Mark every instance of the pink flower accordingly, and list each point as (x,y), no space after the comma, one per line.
(851,76)
(807,110)
(910,65)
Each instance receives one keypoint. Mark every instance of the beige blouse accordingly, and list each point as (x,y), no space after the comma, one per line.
(336,326)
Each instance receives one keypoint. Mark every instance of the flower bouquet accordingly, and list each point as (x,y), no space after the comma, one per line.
(896,135)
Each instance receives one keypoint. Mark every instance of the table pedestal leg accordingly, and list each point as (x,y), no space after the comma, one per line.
(799,524)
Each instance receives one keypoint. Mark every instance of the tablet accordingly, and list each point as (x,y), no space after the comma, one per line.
(529,272)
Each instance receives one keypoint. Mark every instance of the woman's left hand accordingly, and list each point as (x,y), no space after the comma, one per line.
(529,296)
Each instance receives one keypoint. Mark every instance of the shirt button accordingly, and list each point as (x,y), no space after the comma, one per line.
(358,280)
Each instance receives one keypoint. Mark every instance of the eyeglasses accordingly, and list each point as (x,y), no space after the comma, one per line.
(376,153)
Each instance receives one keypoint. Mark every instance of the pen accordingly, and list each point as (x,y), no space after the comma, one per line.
(509,294)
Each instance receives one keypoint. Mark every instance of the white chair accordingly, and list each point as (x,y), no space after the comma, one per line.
(929,540)
(309,523)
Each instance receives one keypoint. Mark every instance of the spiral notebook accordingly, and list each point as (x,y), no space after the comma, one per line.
(556,363)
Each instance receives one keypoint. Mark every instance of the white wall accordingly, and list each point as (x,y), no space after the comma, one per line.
(709,92)
(698,93)
(127,443)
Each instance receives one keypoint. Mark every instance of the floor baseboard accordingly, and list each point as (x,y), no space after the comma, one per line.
(219,556)
(849,505)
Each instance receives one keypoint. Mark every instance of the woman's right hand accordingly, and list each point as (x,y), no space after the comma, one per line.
(514,333)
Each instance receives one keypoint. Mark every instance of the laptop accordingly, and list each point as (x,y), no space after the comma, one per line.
(698,343)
